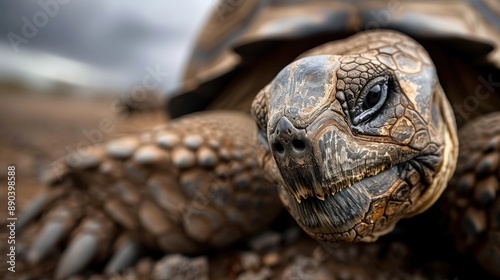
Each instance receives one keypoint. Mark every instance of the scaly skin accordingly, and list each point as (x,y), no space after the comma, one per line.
(472,199)
(186,187)
(349,167)
(357,170)
(350,170)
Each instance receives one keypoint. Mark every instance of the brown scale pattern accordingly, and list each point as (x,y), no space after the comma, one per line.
(368,55)
(405,123)
(473,196)
(353,74)
(260,110)
(184,187)
(382,210)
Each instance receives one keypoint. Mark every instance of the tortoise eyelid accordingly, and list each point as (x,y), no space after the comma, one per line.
(366,114)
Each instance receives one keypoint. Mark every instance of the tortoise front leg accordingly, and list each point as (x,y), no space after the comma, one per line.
(188,186)
(472,199)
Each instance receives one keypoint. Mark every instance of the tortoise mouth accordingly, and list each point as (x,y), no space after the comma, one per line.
(302,191)
(335,158)
(356,212)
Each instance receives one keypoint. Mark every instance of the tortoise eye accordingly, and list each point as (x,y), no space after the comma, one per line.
(372,98)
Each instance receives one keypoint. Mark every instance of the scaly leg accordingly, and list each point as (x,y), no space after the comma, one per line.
(188,186)
(473,194)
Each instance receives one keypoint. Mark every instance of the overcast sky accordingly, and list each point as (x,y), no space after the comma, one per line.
(98,43)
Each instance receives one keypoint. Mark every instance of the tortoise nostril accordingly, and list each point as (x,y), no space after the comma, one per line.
(288,142)
(279,148)
(298,145)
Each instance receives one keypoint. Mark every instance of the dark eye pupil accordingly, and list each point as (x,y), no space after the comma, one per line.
(373,97)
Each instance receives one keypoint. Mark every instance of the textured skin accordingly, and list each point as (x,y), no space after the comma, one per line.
(90,213)
(462,38)
(473,196)
(357,176)
(185,187)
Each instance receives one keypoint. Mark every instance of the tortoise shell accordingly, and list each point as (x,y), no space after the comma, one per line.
(244,44)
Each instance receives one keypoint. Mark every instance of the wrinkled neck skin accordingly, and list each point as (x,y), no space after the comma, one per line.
(349,171)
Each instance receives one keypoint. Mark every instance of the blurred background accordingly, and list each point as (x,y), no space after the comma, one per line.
(64,64)
(95,45)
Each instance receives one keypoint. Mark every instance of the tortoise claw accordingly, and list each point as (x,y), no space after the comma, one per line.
(33,210)
(38,205)
(78,255)
(51,234)
(124,256)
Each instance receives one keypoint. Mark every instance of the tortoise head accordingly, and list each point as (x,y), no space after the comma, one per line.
(359,135)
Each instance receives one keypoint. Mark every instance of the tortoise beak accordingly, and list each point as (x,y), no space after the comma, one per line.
(325,157)
(335,184)
(357,213)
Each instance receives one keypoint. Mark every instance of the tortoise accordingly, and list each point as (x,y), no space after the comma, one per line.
(351,129)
